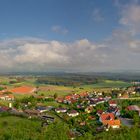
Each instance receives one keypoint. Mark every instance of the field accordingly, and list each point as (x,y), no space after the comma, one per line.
(61,90)
(112,84)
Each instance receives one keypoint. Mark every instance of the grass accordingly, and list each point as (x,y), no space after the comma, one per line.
(52,89)
(111,84)
(20,96)
(51,103)
(12,128)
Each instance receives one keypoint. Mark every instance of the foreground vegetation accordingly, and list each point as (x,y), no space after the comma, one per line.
(15,128)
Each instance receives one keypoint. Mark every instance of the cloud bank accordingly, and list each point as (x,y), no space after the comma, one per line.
(119,51)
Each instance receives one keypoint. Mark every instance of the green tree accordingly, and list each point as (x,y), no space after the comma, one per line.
(55,95)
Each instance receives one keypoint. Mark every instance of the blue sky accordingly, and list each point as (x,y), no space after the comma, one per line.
(36,18)
(69,35)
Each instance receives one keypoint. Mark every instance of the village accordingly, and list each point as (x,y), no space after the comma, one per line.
(99,111)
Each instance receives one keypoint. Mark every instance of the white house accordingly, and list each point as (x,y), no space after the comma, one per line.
(73,113)
(60,110)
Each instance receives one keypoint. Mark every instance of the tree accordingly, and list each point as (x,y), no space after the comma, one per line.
(55,96)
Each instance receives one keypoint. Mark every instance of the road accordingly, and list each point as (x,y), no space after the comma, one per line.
(127,122)
(135,98)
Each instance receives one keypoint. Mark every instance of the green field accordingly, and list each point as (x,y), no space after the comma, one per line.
(112,84)
(61,90)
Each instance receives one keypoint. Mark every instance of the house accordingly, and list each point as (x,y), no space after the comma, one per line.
(131,88)
(76,96)
(112,103)
(4,108)
(7,97)
(100,100)
(134,108)
(92,102)
(124,96)
(32,112)
(112,123)
(59,100)
(23,90)
(114,110)
(89,109)
(83,123)
(99,93)
(73,113)
(71,101)
(68,97)
(83,95)
(106,116)
(42,109)
(111,109)
(72,98)
(80,106)
(108,119)
(107,98)
(60,110)
(99,112)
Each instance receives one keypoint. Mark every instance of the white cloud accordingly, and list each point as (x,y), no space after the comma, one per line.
(59,29)
(131,17)
(35,54)
(29,54)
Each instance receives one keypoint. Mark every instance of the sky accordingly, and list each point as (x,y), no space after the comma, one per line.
(69,35)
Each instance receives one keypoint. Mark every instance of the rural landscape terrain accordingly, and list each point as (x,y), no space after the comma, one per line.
(61,106)
(69,69)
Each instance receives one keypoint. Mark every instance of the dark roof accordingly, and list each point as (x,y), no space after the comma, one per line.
(72,111)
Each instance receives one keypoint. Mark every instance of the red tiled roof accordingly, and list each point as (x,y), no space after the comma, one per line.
(112,122)
(76,96)
(83,94)
(112,102)
(59,99)
(133,108)
(107,116)
(11,95)
(68,97)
